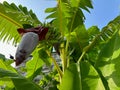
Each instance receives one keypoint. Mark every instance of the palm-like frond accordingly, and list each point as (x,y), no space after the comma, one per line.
(68,15)
(103,36)
(13,17)
(108,31)
(111,28)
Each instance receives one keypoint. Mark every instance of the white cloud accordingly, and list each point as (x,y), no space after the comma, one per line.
(7,49)
(2,0)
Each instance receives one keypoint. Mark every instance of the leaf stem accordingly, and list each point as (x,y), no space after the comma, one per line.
(63,56)
(56,65)
(81,57)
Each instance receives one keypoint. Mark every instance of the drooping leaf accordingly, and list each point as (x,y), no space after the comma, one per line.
(6,82)
(104,35)
(108,62)
(8,30)
(81,77)
(13,17)
(23,16)
(19,81)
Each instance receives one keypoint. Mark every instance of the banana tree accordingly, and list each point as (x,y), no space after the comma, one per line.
(89,57)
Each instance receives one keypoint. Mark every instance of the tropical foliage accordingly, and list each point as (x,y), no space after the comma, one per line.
(89,58)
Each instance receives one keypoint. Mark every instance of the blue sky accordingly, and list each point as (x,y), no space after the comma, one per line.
(103,12)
